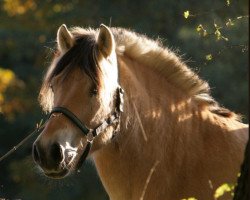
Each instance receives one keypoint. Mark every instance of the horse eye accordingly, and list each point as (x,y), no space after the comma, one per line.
(94,92)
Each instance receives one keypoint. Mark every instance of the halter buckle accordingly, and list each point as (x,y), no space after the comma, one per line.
(90,136)
(120,100)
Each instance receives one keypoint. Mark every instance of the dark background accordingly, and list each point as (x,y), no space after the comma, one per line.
(27,34)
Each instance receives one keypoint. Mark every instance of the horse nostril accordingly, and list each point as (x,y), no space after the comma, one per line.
(47,158)
(36,155)
(56,152)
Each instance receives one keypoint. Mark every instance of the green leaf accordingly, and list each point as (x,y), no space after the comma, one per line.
(199,28)
(229,23)
(204,33)
(216,26)
(209,57)
(224,38)
(220,191)
(218,34)
(186,14)
(228,2)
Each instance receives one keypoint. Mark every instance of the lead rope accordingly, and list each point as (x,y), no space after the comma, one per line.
(39,128)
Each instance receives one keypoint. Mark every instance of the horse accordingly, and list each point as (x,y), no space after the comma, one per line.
(145,118)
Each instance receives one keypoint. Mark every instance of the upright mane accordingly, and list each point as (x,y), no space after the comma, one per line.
(152,54)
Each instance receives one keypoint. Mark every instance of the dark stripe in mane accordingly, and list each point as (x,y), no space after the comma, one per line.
(82,55)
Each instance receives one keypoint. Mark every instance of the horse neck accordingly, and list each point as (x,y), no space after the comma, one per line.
(156,113)
(146,127)
(159,125)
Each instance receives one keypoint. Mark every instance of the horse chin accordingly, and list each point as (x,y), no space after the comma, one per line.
(65,168)
(57,175)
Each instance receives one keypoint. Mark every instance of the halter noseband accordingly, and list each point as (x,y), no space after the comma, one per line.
(92,133)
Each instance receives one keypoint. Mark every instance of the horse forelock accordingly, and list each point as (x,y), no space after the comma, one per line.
(82,55)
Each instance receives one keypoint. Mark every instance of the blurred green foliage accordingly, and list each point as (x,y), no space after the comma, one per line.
(195,30)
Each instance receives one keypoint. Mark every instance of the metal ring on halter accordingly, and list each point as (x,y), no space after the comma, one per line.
(90,136)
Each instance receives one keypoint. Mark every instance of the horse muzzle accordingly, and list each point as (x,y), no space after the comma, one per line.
(56,160)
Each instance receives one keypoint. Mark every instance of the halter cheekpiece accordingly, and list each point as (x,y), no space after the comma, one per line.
(113,119)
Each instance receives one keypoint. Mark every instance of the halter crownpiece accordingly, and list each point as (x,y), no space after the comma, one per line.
(113,119)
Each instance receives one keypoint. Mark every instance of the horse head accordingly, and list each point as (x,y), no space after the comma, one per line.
(82,94)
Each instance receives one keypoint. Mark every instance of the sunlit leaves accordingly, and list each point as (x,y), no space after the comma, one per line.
(217,30)
(186,14)
(18,7)
(9,81)
(242,16)
(218,34)
(219,192)
(228,2)
(224,188)
(201,30)
(209,57)
(6,78)
(229,23)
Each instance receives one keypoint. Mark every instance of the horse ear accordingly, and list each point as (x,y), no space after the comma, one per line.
(65,40)
(105,41)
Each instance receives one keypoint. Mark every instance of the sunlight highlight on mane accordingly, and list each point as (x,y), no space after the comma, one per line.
(152,54)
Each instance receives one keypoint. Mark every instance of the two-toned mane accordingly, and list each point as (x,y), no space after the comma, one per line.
(171,140)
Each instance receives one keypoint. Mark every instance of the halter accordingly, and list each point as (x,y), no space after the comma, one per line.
(113,119)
